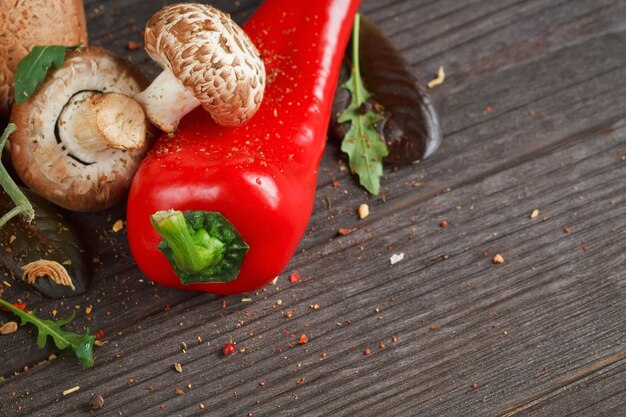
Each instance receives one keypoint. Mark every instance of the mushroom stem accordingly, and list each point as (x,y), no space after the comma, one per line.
(91,122)
(166,101)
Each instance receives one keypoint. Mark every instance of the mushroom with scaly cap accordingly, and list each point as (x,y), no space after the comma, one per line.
(208,60)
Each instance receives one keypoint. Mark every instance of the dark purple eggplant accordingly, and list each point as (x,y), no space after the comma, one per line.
(410,124)
(50,237)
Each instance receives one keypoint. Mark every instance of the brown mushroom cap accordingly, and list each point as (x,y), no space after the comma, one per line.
(211,56)
(41,158)
(25,24)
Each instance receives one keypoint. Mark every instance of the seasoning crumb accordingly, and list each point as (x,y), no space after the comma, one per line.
(133,45)
(118,225)
(8,328)
(622,158)
(304,339)
(324,354)
(443,224)
(293,278)
(315,306)
(363,211)
(300,381)
(229,349)
(396,257)
(498,259)
(262,383)
(534,214)
(180,391)
(344,231)
(433,328)
(96,402)
(201,406)
(367,352)
(274,281)
(439,79)
(394,339)
(52,357)
(246,300)
(381,346)
(178,367)
(585,248)
(567,230)
(71,390)
(183,346)
(474,386)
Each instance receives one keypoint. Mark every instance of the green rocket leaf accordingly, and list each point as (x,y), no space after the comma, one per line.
(32,70)
(81,344)
(362,143)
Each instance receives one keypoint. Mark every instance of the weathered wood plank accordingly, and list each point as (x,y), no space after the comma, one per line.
(562,308)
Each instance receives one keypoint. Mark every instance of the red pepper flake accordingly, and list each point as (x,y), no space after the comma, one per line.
(324,354)
(489,109)
(567,230)
(432,328)
(344,231)
(20,306)
(474,386)
(622,158)
(133,45)
(288,314)
(394,339)
(180,391)
(485,254)
(224,303)
(293,278)
(585,248)
(443,224)
(229,349)
(100,334)
(381,346)
(303,340)
(335,184)
(262,383)
(130,381)
(300,381)
(367,352)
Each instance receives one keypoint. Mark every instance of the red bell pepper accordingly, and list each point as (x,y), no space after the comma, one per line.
(222,210)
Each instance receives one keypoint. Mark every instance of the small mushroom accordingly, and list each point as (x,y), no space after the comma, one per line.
(25,24)
(80,137)
(207,60)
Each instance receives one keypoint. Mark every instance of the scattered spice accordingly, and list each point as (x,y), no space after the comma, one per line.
(88,309)
(229,348)
(363,211)
(118,225)
(567,230)
(585,248)
(443,224)
(439,79)
(96,402)
(178,367)
(71,390)
(262,383)
(100,334)
(534,214)
(288,314)
(133,45)
(474,386)
(315,306)
(367,352)
(489,109)
(344,231)
(300,381)
(498,259)
(8,328)
(180,391)
(622,158)
(394,339)
(303,340)
(432,328)
(381,346)
(246,300)
(293,278)
(396,257)
(274,281)
(324,354)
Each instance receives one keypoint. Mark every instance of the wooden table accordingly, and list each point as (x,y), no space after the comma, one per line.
(533,109)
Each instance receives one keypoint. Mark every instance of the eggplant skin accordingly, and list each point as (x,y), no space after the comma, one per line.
(49,237)
(410,126)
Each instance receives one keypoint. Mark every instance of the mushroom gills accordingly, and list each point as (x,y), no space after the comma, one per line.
(91,122)
(166,101)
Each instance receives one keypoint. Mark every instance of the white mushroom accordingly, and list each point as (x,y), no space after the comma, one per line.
(81,137)
(208,60)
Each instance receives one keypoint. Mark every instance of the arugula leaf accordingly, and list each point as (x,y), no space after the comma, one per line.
(362,143)
(81,344)
(32,70)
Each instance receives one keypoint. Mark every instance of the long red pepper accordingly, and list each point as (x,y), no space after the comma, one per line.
(260,177)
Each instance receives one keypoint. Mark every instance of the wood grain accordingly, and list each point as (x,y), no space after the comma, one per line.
(533,112)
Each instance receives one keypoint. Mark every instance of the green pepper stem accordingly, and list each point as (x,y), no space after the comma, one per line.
(22,205)
(192,252)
